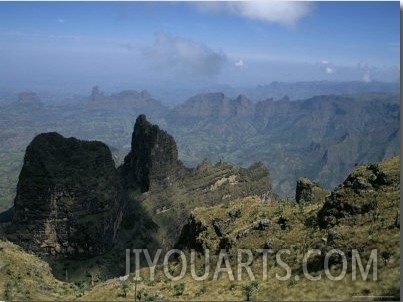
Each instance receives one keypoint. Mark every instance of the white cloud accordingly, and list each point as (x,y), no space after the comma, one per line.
(181,54)
(127,46)
(283,12)
(329,70)
(366,77)
(60,20)
(240,64)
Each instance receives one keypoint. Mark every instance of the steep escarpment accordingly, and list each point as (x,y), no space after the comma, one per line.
(128,100)
(153,156)
(68,197)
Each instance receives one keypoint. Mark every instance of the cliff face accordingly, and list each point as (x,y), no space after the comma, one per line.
(68,197)
(153,156)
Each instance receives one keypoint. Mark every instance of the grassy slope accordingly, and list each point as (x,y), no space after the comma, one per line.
(24,277)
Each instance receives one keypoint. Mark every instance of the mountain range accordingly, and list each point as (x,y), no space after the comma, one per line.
(321,137)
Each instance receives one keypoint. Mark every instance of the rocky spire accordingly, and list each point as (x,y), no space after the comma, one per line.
(153,156)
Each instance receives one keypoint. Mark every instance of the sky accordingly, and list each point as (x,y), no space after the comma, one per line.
(146,45)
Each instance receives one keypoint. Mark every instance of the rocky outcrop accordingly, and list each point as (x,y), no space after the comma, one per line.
(153,157)
(309,191)
(190,236)
(358,194)
(68,198)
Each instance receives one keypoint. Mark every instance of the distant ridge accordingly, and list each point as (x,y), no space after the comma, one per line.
(304,90)
(321,137)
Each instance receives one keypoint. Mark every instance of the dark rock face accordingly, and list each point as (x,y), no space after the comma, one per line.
(308,191)
(153,156)
(68,197)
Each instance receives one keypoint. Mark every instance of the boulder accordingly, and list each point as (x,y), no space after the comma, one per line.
(308,191)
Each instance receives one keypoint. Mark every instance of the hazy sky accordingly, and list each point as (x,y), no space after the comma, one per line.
(156,44)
